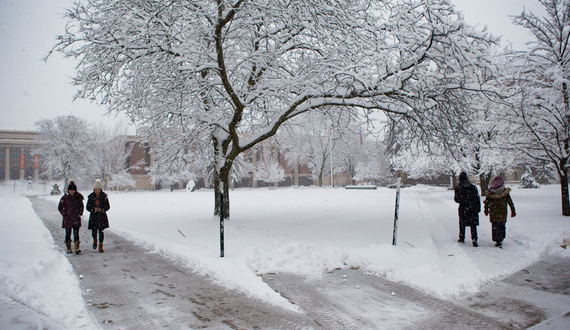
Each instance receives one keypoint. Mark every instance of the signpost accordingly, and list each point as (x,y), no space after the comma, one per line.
(221,220)
(396,212)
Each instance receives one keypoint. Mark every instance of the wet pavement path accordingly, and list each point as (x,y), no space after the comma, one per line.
(126,287)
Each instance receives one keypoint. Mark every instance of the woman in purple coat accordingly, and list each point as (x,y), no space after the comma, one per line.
(71,208)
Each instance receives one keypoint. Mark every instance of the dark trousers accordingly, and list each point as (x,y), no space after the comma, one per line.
(101,234)
(499,231)
(473,232)
(75,234)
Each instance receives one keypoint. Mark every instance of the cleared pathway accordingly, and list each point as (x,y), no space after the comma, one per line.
(126,287)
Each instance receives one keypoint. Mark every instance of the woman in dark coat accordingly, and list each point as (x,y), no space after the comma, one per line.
(467,195)
(71,208)
(498,197)
(98,205)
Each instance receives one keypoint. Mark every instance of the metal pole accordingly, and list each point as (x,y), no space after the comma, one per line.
(221,220)
(396,212)
(330,146)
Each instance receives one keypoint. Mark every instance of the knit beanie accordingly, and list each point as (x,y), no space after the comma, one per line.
(72,186)
(497,182)
(97,185)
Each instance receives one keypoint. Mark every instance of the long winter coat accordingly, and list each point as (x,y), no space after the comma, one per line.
(98,220)
(496,205)
(71,208)
(467,195)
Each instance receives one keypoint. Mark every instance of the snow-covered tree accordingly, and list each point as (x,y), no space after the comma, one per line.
(238,70)
(121,180)
(65,146)
(307,140)
(374,165)
(174,162)
(474,140)
(107,156)
(541,101)
(269,170)
(418,162)
(483,149)
(544,172)
(354,144)
(528,180)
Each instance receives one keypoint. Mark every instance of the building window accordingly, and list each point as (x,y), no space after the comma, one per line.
(15,154)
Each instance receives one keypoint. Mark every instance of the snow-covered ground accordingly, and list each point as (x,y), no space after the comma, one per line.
(37,283)
(304,231)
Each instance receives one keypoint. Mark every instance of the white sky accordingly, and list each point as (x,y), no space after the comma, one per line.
(31,89)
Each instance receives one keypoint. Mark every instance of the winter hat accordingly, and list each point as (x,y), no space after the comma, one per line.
(463,177)
(497,183)
(72,186)
(97,185)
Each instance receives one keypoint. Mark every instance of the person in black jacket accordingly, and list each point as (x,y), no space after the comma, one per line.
(467,195)
(98,205)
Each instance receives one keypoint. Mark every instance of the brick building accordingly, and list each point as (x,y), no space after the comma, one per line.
(140,159)
(18,163)
(16,159)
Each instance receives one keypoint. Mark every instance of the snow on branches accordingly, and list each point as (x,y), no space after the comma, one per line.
(233,72)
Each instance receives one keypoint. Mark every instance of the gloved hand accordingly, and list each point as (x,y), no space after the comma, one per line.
(486,212)
(513,214)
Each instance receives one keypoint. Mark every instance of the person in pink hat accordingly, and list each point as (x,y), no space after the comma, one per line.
(498,197)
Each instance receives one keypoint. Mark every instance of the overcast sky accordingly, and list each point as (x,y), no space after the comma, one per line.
(31,89)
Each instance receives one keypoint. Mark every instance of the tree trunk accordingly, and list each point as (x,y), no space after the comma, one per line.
(216,182)
(222,179)
(484,180)
(453,180)
(564,193)
(563,171)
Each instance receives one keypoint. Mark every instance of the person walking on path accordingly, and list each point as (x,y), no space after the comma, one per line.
(498,197)
(467,195)
(98,205)
(71,208)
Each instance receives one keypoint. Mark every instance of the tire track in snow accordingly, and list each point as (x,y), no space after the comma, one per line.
(458,271)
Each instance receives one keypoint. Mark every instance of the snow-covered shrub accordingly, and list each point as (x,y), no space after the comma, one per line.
(121,181)
(528,180)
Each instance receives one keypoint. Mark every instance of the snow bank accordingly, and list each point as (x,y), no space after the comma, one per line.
(33,272)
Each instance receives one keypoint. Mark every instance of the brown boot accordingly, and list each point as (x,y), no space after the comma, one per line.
(94,244)
(68,245)
(101,247)
(76,243)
